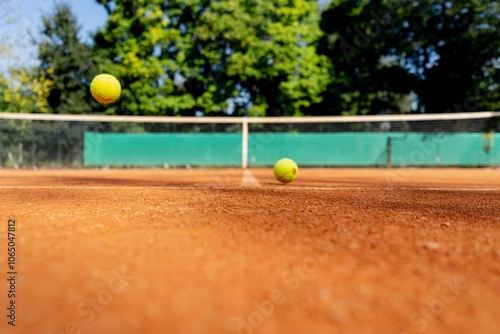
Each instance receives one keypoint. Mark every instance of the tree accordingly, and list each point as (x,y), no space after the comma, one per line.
(67,62)
(260,52)
(381,51)
(363,51)
(183,56)
(129,48)
(455,45)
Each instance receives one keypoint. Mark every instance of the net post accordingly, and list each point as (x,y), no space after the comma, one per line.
(244,144)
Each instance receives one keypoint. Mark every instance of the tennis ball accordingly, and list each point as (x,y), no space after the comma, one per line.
(105,88)
(286,170)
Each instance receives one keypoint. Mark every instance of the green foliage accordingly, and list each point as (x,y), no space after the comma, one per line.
(24,91)
(368,78)
(383,50)
(261,48)
(181,56)
(67,62)
(465,35)
(129,48)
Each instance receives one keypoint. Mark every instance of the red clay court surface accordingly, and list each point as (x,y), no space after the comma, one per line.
(226,251)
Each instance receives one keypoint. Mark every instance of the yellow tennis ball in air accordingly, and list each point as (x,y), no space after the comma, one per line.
(286,170)
(105,88)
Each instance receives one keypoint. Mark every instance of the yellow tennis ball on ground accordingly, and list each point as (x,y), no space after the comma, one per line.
(105,88)
(286,170)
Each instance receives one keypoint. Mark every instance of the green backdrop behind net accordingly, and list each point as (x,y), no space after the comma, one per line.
(307,149)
